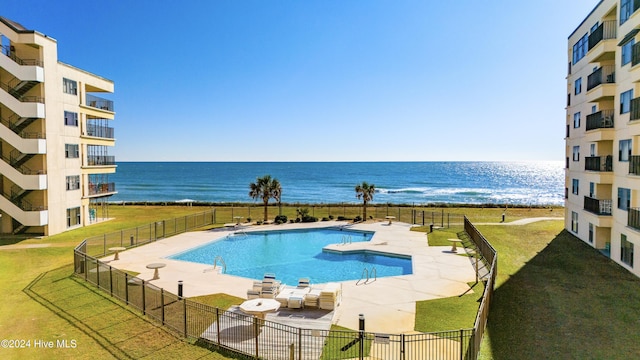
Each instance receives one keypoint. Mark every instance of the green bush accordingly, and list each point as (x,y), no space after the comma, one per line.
(280,219)
(309,218)
(357,218)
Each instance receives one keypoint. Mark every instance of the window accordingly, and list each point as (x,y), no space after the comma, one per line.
(592,149)
(71,151)
(624,198)
(574,222)
(574,186)
(576,153)
(73,182)
(577,88)
(70,118)
(69,86)
(73,217)
(627,51)
(590,233)
(624,151)
(626,250)
(580,48)
(626,9)
(593,109)
(625,101)
(576,120)
(592,189)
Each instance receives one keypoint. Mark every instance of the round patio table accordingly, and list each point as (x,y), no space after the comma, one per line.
(260,307)
(155,267)
(454,243)
(117,250)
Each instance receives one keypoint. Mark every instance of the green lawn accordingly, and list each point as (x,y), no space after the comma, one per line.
(557,298)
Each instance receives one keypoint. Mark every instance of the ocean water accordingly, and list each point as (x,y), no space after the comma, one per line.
(516,183)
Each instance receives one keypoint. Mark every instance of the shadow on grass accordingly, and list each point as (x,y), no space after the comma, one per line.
(117,329)
(568,301)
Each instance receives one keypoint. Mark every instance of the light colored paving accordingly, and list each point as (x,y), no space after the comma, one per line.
(523,221)
(388,303)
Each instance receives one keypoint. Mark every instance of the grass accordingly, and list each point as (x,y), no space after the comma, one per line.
(557,298)
(449,313)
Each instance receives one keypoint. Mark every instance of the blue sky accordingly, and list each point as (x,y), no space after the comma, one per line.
(323,80)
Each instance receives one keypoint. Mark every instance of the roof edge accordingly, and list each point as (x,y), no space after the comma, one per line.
(585,18)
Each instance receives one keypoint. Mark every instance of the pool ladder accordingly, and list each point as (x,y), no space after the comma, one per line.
(367,276)
(222,263)
(346,239)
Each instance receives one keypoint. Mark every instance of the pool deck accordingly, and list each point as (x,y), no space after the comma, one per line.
(388,303)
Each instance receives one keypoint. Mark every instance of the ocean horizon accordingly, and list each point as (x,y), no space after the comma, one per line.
(455,182)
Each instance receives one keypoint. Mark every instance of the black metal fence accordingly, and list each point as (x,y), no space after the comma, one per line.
(256,338)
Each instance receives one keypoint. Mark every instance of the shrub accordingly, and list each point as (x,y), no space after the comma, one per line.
(259,222)
(343,218)
(357,218)
(330,217)
(281,219)
(325,219)
(309,218)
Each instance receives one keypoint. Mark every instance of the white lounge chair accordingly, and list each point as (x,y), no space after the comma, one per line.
(303,282)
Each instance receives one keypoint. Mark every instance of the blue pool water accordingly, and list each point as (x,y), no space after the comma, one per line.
(294,254)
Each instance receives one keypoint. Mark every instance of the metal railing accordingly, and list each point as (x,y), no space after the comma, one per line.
(633,218)
(99,103)
(606,31)
(598,163)
(103,188)
(29,99)
(602,75)
(6,50)
(596,206)
(100,131)
(100,160)
(255,338)
(634,164)
(602,119)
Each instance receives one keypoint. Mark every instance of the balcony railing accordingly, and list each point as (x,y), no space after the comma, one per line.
(100,131)
(100,160)
(634,164)
(30,99)
(99,103)
(103,188)
(633,218)
(634,109)
(603,75)
(6,50)
(598,207)
(606,31)
(598,163)
(603,119)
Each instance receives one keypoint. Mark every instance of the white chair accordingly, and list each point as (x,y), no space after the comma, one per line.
(295,302)
(303,282)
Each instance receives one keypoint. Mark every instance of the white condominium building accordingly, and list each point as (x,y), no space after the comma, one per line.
(602,182)
(55,134)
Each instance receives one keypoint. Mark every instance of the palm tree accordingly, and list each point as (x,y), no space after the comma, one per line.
(266,188)
(365,192)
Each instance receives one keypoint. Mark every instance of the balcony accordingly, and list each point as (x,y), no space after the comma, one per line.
(99,103)
(602,119)
(606,31)
(633,218)
(602,75)
(101,160)
(99,130)
(634,165)
(6,50)
(599,48)
(598,207)
(598,163)
(102,188)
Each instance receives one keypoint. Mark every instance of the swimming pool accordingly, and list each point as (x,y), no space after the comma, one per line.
(292,254)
